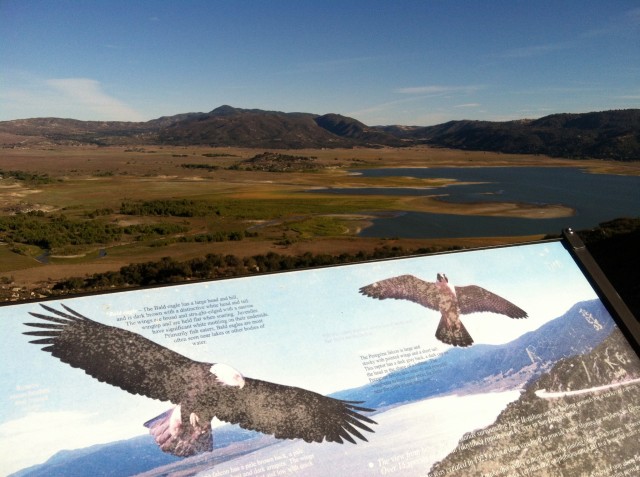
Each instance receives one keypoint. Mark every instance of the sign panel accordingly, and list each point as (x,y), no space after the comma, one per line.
(492,362)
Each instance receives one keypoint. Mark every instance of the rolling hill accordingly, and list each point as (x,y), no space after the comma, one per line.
(585,379)
(611,135)
(491,366)
(603,135)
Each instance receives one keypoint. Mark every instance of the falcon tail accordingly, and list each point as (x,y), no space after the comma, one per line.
(453,333)
(176,437)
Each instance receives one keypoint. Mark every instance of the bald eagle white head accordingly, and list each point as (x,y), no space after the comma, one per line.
(227,375)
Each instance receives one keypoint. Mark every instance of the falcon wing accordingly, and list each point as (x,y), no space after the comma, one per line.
(114,356)
(292,413)
(405,287)
(472,299)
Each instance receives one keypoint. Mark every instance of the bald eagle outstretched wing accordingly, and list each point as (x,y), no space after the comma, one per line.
(115,356)
(289,412)
(200,390)
(450,301)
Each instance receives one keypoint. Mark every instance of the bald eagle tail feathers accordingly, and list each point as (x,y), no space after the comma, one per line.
(453,332)
(174,436)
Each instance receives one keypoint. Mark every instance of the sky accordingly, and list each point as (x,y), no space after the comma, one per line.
(317,328)
(410,62)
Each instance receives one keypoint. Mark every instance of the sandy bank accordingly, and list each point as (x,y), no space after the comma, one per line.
(494,209)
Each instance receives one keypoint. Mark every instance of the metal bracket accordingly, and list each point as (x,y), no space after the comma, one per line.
(610,297)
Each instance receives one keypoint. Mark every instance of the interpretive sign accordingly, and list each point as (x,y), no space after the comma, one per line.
(493,362)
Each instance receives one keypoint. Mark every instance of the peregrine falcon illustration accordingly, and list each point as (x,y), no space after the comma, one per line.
(449,300)
(200,391)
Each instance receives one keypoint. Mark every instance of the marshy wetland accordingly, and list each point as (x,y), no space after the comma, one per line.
(76,211)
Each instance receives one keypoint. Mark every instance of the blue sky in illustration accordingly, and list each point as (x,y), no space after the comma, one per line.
(308,339)
(413,62)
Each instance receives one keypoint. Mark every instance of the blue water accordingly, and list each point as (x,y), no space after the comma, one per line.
(595,198)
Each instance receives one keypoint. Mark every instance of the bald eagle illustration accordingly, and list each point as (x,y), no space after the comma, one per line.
(449,300)
(200,391)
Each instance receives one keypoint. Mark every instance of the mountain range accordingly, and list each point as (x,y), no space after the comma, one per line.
(479,369)
(611,134)
(584,380)
(485,367)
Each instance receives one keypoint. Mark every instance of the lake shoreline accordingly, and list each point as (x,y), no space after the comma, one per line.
(501,201)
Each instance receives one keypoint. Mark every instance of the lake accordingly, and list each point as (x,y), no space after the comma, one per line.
(595,198)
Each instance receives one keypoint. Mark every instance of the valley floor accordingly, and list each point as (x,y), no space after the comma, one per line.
(235,208)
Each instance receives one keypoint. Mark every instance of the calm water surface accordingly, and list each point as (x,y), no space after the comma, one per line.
(594,197)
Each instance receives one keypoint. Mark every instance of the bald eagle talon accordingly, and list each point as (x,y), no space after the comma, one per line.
(194,420)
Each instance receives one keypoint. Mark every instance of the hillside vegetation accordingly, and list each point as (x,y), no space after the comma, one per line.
(611,135)
(602,135)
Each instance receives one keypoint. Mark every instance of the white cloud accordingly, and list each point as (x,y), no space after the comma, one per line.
(427,97)
(27,96)
(437,89)
(619,25)
(633,16)
(435,117)
(537,50)
(88,94)
(334,65)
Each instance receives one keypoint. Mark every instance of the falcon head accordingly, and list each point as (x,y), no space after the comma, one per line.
(227,375)
(442,278)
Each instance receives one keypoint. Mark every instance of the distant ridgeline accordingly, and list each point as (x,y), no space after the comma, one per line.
(580,329)
(611,135)
(604,135)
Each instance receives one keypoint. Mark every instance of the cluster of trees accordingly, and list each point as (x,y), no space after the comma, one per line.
(168,270)
(151,230)
(100,212)
(276,162)
(169,207)
(30,177)
(58,231)
(218,154)
(611,228)
(220,236)
(207,167)
(266,162)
